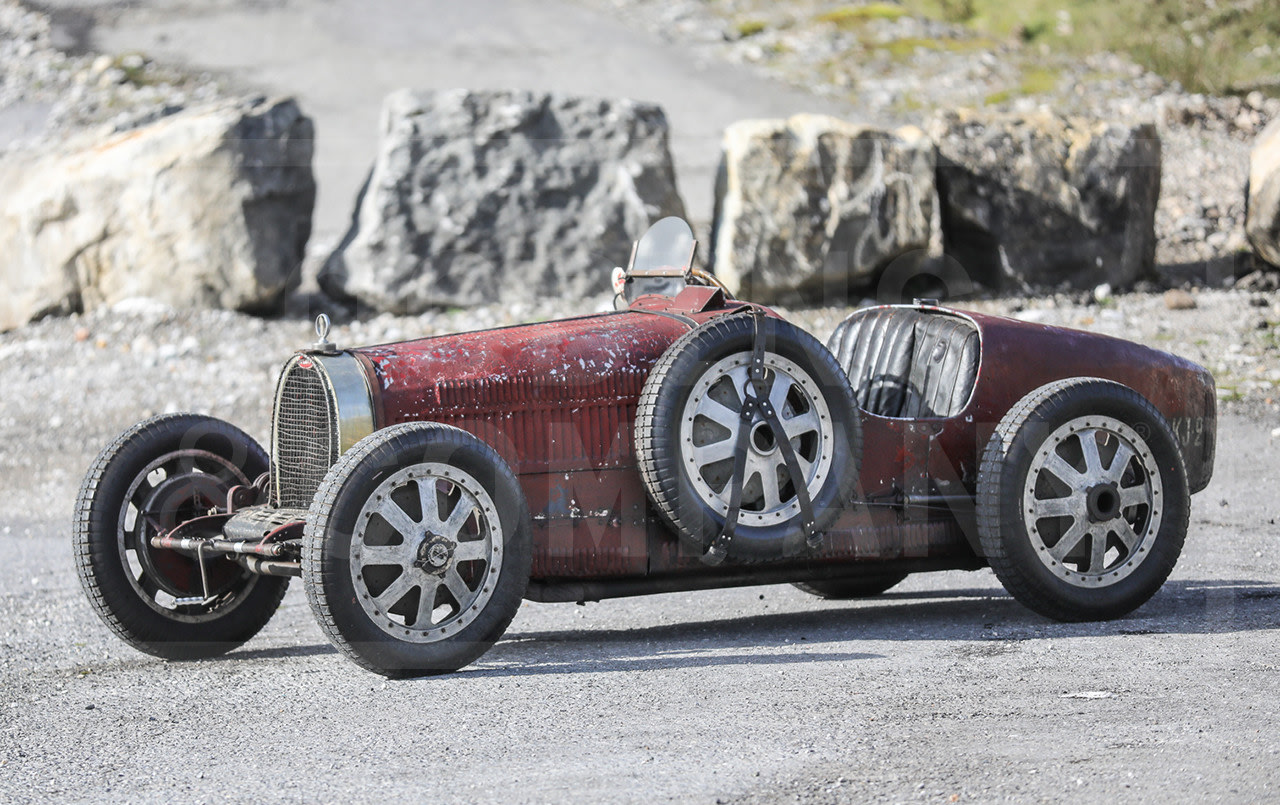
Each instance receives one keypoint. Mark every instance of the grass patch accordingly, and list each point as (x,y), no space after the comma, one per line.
(957,11)
(749,28)
(907,46)
(850,17)
(1214,46)
(908,103)
(999,97)
(1039,80)
(1271,337)
(1229,393)
(135,69)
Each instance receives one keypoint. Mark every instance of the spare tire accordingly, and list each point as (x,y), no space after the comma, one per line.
(688,427)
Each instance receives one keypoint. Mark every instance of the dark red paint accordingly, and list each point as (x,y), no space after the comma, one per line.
(558,402)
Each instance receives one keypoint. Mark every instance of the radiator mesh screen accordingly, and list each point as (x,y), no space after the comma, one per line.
(305,435)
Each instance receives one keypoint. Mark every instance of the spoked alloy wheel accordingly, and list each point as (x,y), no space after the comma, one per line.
(417,550)
(1082,500)
(155,476)
(427,544)
(1094,498)
(689,424)
(710,428)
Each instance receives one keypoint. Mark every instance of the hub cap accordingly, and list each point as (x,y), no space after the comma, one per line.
(1092,501)
(426,552)
(710,425)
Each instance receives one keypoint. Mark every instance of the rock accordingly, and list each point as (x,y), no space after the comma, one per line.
(1259,280)
(1262,221)
(101,64)
(1040,201)
(210,207)
(812,207)
(1178,299)
(502,195)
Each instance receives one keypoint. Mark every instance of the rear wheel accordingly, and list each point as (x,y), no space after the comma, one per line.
(158,474)
(1082,500)
(417,550)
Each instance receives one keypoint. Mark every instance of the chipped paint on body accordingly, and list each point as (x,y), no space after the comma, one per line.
(558,401)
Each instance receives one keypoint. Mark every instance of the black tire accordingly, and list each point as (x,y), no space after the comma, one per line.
(849,589)
(136,589)
(1076,532)
(370,608)
(691,497)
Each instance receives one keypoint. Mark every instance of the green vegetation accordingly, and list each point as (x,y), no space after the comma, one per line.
(908,103)
(1216,46)
(1270,336)
(1228,393)
(999,97)
(1037,80)
(852,17)
(134,67)
(906,46)
(748,28)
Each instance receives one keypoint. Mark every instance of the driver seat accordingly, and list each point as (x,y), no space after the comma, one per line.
(903,362)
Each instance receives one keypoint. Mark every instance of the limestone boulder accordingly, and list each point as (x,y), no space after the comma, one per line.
(1262,223)
(502,195)
(1041,201)
(811,208)
(209,207)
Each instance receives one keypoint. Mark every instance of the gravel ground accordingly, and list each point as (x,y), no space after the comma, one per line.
(943,690)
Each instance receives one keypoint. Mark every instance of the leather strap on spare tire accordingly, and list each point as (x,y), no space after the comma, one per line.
(747,438)
(756,399)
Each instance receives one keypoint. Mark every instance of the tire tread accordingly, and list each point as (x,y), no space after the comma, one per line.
(387,441)
(88,518)
(991,510)
(660,469)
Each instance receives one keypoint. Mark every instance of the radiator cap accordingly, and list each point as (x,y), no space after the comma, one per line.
(323,345)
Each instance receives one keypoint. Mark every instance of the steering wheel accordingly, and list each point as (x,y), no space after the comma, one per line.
(707,278)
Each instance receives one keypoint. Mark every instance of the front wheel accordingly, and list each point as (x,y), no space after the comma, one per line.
(1082,500)
(154,476)
(417,550)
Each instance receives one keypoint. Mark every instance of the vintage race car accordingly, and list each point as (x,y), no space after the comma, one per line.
(687,441)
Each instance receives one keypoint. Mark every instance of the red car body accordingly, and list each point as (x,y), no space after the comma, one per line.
(558,402)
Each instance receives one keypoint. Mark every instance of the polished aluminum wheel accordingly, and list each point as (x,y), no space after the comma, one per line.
(426,552)
(711,423)
(1092,501)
